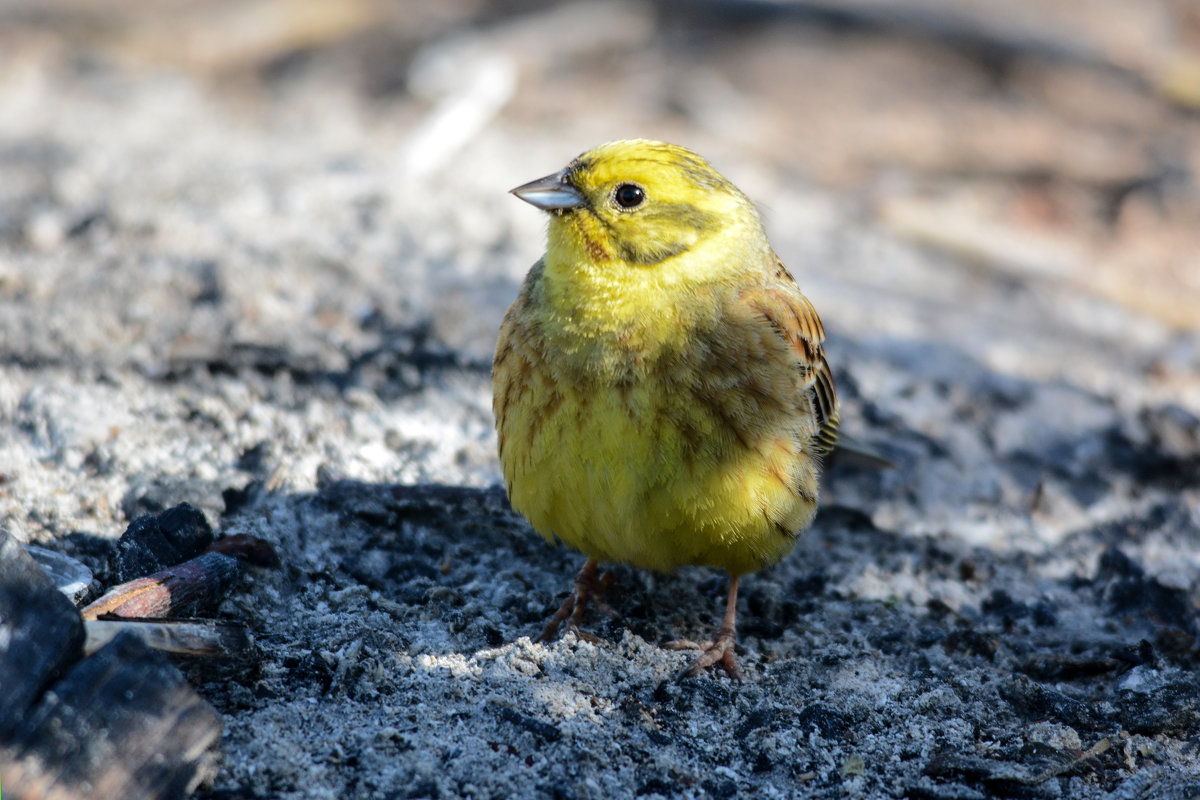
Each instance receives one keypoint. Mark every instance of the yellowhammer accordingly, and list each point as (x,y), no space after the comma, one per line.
(661,393)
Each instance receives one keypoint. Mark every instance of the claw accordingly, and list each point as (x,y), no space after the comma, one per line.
(587,588)
(721,649)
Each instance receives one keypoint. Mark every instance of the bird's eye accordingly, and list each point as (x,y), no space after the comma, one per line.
(629,195)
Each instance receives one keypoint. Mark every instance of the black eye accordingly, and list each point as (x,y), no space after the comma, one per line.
(629,195)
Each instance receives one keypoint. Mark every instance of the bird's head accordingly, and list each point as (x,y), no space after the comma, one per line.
(638,203)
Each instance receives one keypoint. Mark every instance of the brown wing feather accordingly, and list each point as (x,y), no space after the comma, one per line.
(793,317)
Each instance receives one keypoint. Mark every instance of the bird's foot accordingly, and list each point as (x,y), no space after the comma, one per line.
(588,588)
(719,651)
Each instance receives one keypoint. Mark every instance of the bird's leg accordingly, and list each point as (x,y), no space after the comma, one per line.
(720,649)
(587,587)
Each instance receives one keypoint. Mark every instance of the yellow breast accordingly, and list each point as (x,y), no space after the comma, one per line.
(698,458)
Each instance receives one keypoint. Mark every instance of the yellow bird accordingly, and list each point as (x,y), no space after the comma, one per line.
(660,389)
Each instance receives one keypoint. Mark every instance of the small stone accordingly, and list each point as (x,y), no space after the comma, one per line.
(1052,734)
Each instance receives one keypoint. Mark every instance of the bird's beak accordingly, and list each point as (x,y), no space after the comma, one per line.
(551,193)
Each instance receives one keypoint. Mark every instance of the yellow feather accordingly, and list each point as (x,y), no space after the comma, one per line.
(661,393)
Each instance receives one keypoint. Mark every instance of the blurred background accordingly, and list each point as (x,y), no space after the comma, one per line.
(317,189)
(1042,141)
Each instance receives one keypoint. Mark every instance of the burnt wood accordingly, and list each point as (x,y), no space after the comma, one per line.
(122,723)
(41,633)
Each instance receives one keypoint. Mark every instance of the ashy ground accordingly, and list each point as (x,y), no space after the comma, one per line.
(253,256)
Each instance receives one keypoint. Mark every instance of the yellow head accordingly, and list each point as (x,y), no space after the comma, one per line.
(638,203)
(641,234)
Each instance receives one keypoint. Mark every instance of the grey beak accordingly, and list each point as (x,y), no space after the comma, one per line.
(551,193)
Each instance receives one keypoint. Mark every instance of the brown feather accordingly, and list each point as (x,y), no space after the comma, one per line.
(793,317)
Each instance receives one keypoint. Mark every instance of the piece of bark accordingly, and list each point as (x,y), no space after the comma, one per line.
(248,549)
(176,591)
(199,638)
(156,541)
(122,723)
(41,633)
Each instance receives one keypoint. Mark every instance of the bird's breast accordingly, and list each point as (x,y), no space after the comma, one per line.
(676,460)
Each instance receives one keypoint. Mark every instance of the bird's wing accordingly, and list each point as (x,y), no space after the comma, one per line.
(793,318)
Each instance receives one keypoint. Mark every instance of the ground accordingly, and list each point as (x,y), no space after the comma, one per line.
(253,257)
